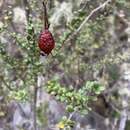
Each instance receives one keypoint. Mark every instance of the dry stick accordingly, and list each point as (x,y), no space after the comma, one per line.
(84,22)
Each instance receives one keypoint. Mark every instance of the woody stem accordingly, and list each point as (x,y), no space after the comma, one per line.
(46,23)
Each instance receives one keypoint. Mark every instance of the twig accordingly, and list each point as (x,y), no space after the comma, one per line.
(90,15)
(35,105)
(6,84)
(23,113)
(46,23)
(71,36)
(71,115)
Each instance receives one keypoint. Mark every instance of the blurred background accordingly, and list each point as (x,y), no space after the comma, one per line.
(84,84)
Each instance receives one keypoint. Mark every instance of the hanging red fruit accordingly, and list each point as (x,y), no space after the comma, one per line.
(46,41)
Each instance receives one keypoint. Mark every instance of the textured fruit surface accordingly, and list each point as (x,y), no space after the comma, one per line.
(46,42)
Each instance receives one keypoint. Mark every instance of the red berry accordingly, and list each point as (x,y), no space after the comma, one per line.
(46,42)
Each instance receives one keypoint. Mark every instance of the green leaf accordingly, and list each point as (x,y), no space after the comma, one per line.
(70,108)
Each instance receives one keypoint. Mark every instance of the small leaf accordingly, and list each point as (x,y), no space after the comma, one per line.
(70,108)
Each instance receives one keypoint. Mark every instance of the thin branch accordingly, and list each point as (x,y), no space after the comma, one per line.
(6,84)
(46,23)
(71,36)
(90,15)
(71,115)
(35,105)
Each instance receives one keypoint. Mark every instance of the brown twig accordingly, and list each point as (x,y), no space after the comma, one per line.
(46,23)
